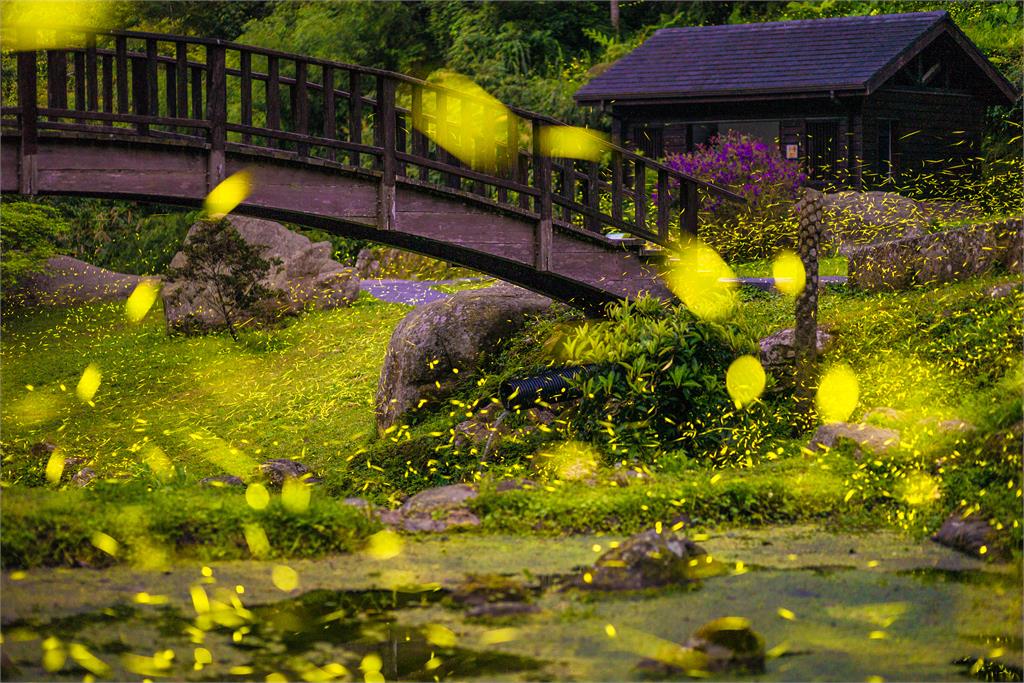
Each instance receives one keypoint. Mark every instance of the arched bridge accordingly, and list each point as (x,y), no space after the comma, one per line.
(165,118)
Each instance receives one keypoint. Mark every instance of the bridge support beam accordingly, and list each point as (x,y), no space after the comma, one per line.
(388,138)
(27,168)
(217,113)
(545,226)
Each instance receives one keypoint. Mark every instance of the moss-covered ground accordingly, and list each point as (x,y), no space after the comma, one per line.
(305,391)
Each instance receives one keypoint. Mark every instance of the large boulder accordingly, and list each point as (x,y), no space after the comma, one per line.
(439,340)
(304,277)
(648,560)
(869,217)
(877,440)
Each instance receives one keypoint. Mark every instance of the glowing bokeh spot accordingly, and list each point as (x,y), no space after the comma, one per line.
(499,635)
(745,380)
(88,660)
(786,614)
(572,142)
(370,666)
(788,273)
(231,192)
(141,300)
(257,496)
(105,543)
(610,631)
(35,25)
(295,495)
(284,577)
(440,636)
(838,394)
(474,125)
(55,467)
(571,461)
(705,283)
(158,462)
(54,654)
(384,545)
(256,539)
(89,382)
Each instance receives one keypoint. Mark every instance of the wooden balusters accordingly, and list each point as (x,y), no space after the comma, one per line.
(152,79)
(300,106)
(592,220)
(664,200)
(121,57)
(197,92)
(355,115)
(91,73)
(330,113)
(450,179)
(140,93)
(56,80)
(79,59)
(688,221)
(617,185)
(273,98)
(171,90)
(181,78)
(245,96)
(640,194)
(108,83)
(419,124)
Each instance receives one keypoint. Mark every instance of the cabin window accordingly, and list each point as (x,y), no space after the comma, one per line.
(886,144)
(822,145)
(649,140)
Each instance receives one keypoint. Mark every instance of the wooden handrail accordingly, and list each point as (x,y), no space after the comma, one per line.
(216,102)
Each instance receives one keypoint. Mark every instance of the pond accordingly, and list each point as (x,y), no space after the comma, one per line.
(835,607)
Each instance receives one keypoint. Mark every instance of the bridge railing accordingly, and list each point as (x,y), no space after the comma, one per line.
(229,96)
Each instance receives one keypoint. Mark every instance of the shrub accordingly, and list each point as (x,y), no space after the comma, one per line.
(745,165)
(27,235)
(663,385)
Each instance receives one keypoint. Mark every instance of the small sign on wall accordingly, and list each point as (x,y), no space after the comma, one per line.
(792,151)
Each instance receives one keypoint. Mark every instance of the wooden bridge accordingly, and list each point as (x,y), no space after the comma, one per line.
(163,118)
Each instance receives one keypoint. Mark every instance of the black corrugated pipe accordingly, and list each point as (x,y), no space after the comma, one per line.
(549,386)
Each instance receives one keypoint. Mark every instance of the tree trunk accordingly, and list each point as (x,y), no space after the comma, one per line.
(615,16)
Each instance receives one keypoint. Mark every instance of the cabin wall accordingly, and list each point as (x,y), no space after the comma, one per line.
(934,129)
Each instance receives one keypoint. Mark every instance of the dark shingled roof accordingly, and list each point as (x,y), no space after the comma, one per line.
(843,53)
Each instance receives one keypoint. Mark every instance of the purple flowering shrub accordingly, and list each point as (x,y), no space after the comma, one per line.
(747,166)
(756,171)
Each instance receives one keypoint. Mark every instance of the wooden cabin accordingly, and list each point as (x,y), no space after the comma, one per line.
(855,99)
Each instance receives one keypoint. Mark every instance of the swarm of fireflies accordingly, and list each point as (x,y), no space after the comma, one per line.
(141,300)
(89,383)
(572,142)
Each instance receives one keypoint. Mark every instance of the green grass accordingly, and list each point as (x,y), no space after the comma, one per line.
(305,391)
(830,265)
(476,283)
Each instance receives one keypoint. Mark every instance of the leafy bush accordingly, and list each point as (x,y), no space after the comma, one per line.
(27,235)
(663,385)
(745,165)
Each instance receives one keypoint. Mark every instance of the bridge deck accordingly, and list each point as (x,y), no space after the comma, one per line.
(342,147)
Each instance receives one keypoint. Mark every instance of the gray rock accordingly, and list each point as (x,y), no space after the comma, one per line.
(84,477)
(969,534)
(435,340)
(497,610)
(306,277)
(439,499)
(646,560)
(730,645)
(360,503)
(515,485)
(1003,290)
(777,349)
(875,439)
(222,481)
(276,470)
(886,414)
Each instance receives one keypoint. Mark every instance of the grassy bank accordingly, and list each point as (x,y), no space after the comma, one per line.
(305,391)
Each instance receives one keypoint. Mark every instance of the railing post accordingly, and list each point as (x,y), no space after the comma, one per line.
(29,122)
(663,203)
(592,222)
(300,106)
(140,93)
(216,112)
(388,137)
(691,205)
(542,181)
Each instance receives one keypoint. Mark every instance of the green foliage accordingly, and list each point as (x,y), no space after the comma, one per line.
(223,20)
(27,235)
(124,237)
(662,384)
(223,272)
(46,528)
